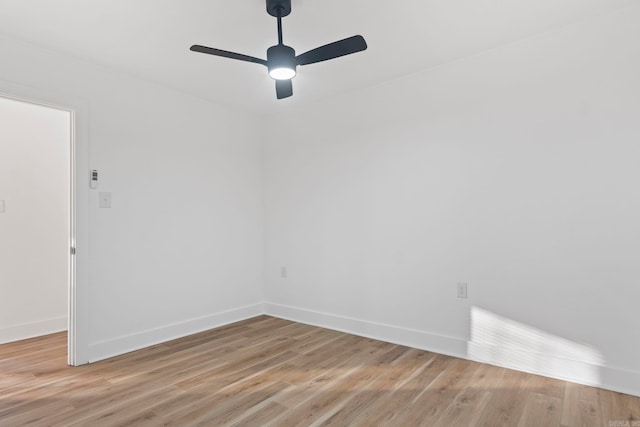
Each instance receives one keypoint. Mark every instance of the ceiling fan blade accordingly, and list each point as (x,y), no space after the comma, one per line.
(333,50)
(284,88)
(227,54)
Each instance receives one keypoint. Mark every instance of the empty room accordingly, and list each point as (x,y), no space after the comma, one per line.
(320,213)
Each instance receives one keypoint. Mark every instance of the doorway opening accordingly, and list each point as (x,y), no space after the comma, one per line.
(37,220)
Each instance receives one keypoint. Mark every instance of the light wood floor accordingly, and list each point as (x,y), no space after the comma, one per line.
(268,371)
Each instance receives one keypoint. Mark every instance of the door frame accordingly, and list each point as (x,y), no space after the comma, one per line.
(78,313)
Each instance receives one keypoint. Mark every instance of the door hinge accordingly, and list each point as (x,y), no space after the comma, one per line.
(73,250)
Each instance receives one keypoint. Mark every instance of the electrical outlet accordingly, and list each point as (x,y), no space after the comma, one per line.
(462,290)
(105,200)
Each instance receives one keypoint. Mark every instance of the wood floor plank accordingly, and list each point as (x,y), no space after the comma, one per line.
(618,408)
(433,403)
(269,371)
(508,402)
(120,412)
(221,387)
(382,387)
(581,406)
(468,405)
(325,374)
(261,417)
(541,410)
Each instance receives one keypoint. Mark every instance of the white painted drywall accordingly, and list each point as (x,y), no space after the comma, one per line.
(34,219)
(181,248)
(515,171)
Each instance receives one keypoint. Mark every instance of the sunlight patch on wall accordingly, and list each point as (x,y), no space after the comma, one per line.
(505,342)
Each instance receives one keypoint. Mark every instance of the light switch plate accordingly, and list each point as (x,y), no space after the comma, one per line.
(105,200)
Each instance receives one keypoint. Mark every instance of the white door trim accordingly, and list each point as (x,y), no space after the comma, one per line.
(79,209)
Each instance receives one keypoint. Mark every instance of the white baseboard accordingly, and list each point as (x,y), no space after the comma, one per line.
(607,377)
(603,376)
(379,331)
(31,330)
(576,371)
(117,346)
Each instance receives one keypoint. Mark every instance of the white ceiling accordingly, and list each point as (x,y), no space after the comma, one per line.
(151,38)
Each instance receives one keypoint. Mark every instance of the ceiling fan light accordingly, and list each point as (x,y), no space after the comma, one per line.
(281,62)
(282,73)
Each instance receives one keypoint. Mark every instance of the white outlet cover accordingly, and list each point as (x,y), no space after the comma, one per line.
(105,200)
(462,290)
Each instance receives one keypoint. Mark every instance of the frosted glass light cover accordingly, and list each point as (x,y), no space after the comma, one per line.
(282,73)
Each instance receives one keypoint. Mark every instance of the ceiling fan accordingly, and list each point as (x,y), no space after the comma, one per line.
(281,59)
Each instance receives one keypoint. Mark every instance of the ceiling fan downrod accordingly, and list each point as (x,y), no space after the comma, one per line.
(279,9)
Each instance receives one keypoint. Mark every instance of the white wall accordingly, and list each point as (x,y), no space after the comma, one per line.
(34,219)
(515,171)
(181,248)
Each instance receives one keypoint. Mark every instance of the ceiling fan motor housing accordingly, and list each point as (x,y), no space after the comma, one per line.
(279,8)
(281,56)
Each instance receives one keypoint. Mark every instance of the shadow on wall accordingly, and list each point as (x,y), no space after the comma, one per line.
(504,342)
